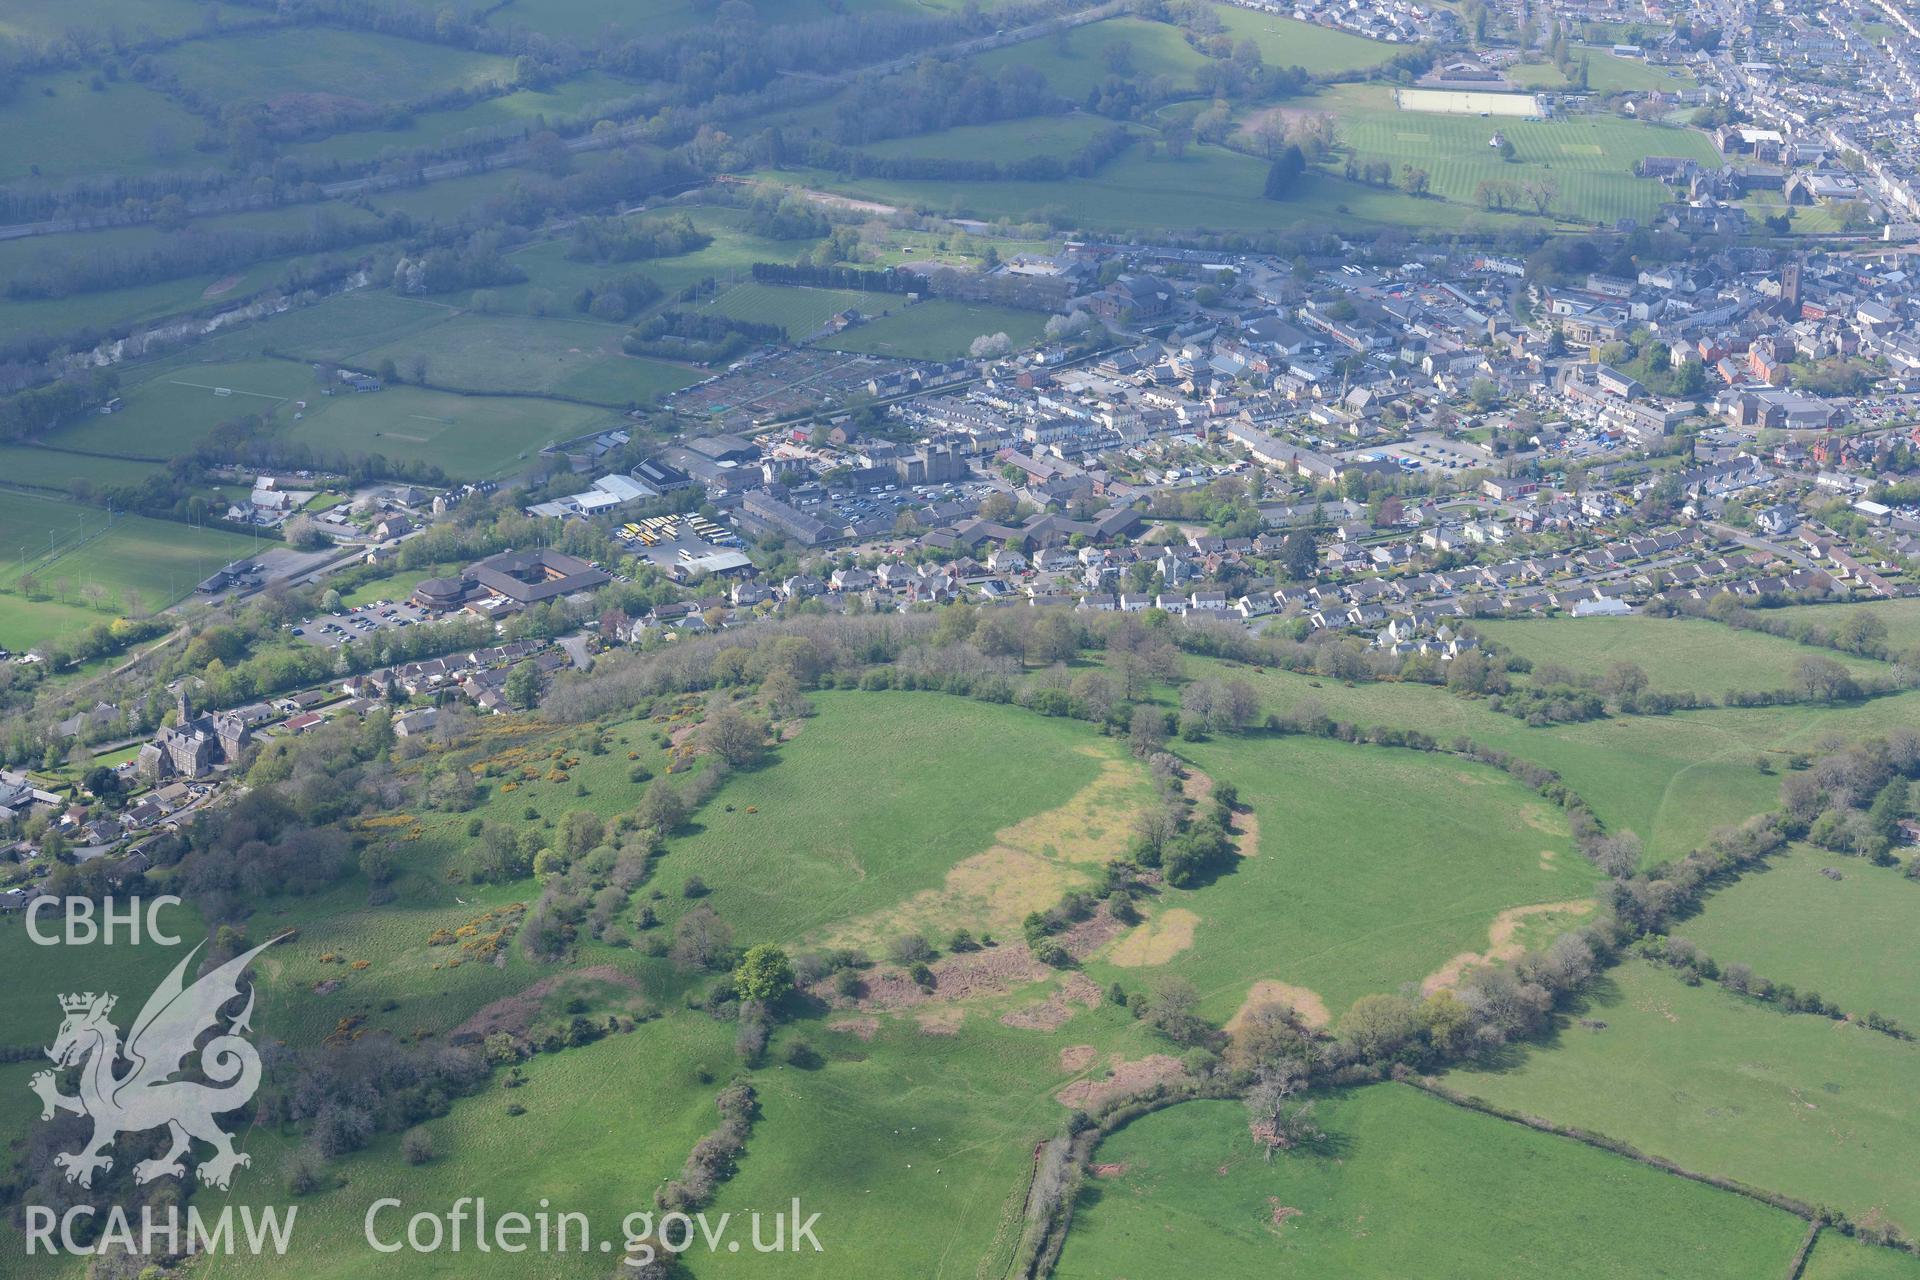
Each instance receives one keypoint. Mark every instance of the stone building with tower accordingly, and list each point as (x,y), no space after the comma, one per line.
(194,745)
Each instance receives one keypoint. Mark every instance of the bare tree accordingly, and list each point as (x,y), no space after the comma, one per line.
(1278,1118)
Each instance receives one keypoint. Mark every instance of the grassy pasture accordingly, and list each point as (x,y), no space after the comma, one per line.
(280,65)
(523,109)
(1605,74)
(586,20)
(60,128)
(18,256)
(1005,140)
(35,20)
(137,303)
(802,311)
(1411,1186)
(938,329)
(1836,1257)
(1902,618)
(567,356)
(158,559)
(1345,907)
(917,1140)
(1852,940)
(1591,159)
(605,1124)
(1672,779)
(471,437)
(33,467)
(828,851)
(1288,42)
(332,330)
(1676,653)
(1075,65)
(167,412)
(1719,1084)
(728,261)
(1207,188)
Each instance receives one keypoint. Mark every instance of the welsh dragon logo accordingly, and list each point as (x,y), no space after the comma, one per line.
(146,1096)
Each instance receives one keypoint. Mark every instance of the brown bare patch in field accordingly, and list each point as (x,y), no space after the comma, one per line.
(1107,1170)
(515,1013)
(1156,941)
(1076,1058)
(1547,858)
(859,1028)
(1052,1013)
(1028,868)
(1280,1213)
(1082,990)
(225,284)
(941,1022)
(1126,1078)
(1501,944)
(1305,1003)
(990,972)
(1042,1015)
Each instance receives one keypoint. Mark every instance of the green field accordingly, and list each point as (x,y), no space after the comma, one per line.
(60,128)
(938,330)
(910,1131)
(569,357)
(556,278)
(334,329)
(587,20)
(1076,65)
(1410,1186)
(136,303)
(165,414)
(1605,74)
(861,862)
(279,67)
(1208,188)
(73,549)
(801,311)
(37,468)
(1288,42)
(1342,906)
(1672,779)
(521,110)
(1590,159)
(471,437)
(1852,940)
(19,256)
(1902,618)
(1835,1257)
(33,20)
(1006,141)
(1677,654)
(1793,1103)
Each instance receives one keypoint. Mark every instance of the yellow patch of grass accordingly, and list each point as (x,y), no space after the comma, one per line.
(1501,943)
(1156,941)
(1306,1003)
(1030,865)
